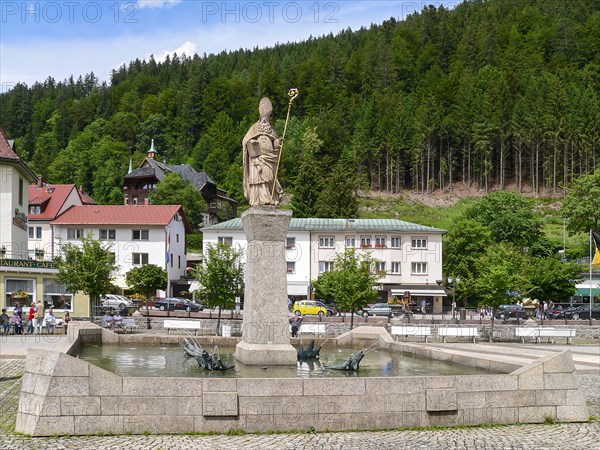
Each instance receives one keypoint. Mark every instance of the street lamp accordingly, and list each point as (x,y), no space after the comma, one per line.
(452,282)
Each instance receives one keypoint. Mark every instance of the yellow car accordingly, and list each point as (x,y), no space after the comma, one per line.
(311,307)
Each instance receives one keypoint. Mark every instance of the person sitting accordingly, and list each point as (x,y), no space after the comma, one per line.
(4,319)
(295,323)
(118,321)
(50,320)
(107,321)
(66,321)
(16,323)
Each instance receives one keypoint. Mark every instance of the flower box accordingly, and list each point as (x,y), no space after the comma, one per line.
(365,245)
(380,246)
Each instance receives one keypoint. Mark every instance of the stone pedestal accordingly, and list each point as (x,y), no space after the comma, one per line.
(266,335)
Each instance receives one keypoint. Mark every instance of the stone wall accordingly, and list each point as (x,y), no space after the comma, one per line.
(65,395)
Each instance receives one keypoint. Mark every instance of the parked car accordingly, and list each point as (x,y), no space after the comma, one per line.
(309,307)
(378,309)
(177,303)
(114,301)
(505,312)
(583,312)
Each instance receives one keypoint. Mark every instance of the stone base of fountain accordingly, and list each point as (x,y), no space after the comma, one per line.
(266,354)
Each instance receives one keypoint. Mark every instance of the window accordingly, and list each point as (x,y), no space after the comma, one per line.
(35,209)
(112,256)
(74,233)
(395,242)
(350,241)
(179,261)
(21,191)
(290,242)
(326,241)
(228,241)
(177,237)
(395,267)
(419,242)
(365,241)
(31,232)
(291,267)
(140,235)
(107,235)
(134,200)
(325,266)
(419,268)
(140,258)
(19,285)
(38,232)
(56,294)
(171,259)
(380,242)
(380,266)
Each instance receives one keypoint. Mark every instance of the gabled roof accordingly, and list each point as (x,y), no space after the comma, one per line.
(85,198)
(53,195)
(143,215)
(152,168)
(8,155)
(345,225)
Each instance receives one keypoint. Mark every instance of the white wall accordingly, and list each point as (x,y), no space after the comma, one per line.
(124,246)
(13,238)
(307,255)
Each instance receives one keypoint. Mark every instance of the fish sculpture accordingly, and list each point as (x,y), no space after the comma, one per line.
(205,360)
(309,352)
(352,363)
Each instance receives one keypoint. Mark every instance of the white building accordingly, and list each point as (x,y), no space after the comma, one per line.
(409,254)
(138,234)
(46,203)
(15,177)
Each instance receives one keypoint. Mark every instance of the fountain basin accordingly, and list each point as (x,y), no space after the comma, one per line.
(62,394)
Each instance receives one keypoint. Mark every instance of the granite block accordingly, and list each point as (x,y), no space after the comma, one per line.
(68,366)
(80,406)
(341,386)
(510,398)
(105,383)
(536,414)
(572,413)
(159,424)
(441,400)
(391,386)
(41,362)
(494,382)
(48,426)
(532,378)
(550,397)
(98,424)
(219,385)
(560,363)
(266,387)
(69,386)
(131,406)
(162,387)
(561,381)
(219,404)
(216,424)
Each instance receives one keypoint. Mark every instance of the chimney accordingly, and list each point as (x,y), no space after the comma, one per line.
(40,182)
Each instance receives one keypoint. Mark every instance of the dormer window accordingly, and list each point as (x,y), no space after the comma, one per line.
(35,209)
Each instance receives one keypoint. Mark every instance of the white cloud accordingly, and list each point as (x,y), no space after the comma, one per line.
(155,4)
(189,48)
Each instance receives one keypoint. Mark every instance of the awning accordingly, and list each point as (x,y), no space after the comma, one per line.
(425,291)
(297,289)
(584,288)
(120,282)
(194,286)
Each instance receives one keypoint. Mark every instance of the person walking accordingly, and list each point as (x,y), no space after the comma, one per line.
(66,321)
(39,317)
(30,318)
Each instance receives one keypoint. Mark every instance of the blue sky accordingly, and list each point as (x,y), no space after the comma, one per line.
(58,38)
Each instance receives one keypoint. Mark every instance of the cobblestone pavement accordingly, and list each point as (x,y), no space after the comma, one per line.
(515,437)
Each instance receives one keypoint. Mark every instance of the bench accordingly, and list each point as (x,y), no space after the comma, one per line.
(446,332)
(549,332)
(411,330)
(311,328)
(182,325)
(129,325)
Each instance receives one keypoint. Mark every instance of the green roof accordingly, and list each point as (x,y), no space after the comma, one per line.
(345,225)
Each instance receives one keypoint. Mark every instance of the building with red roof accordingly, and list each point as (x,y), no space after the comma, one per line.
(136,234)
(15,176)
(46,203)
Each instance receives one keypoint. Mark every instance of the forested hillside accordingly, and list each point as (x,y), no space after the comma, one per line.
(490,93)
